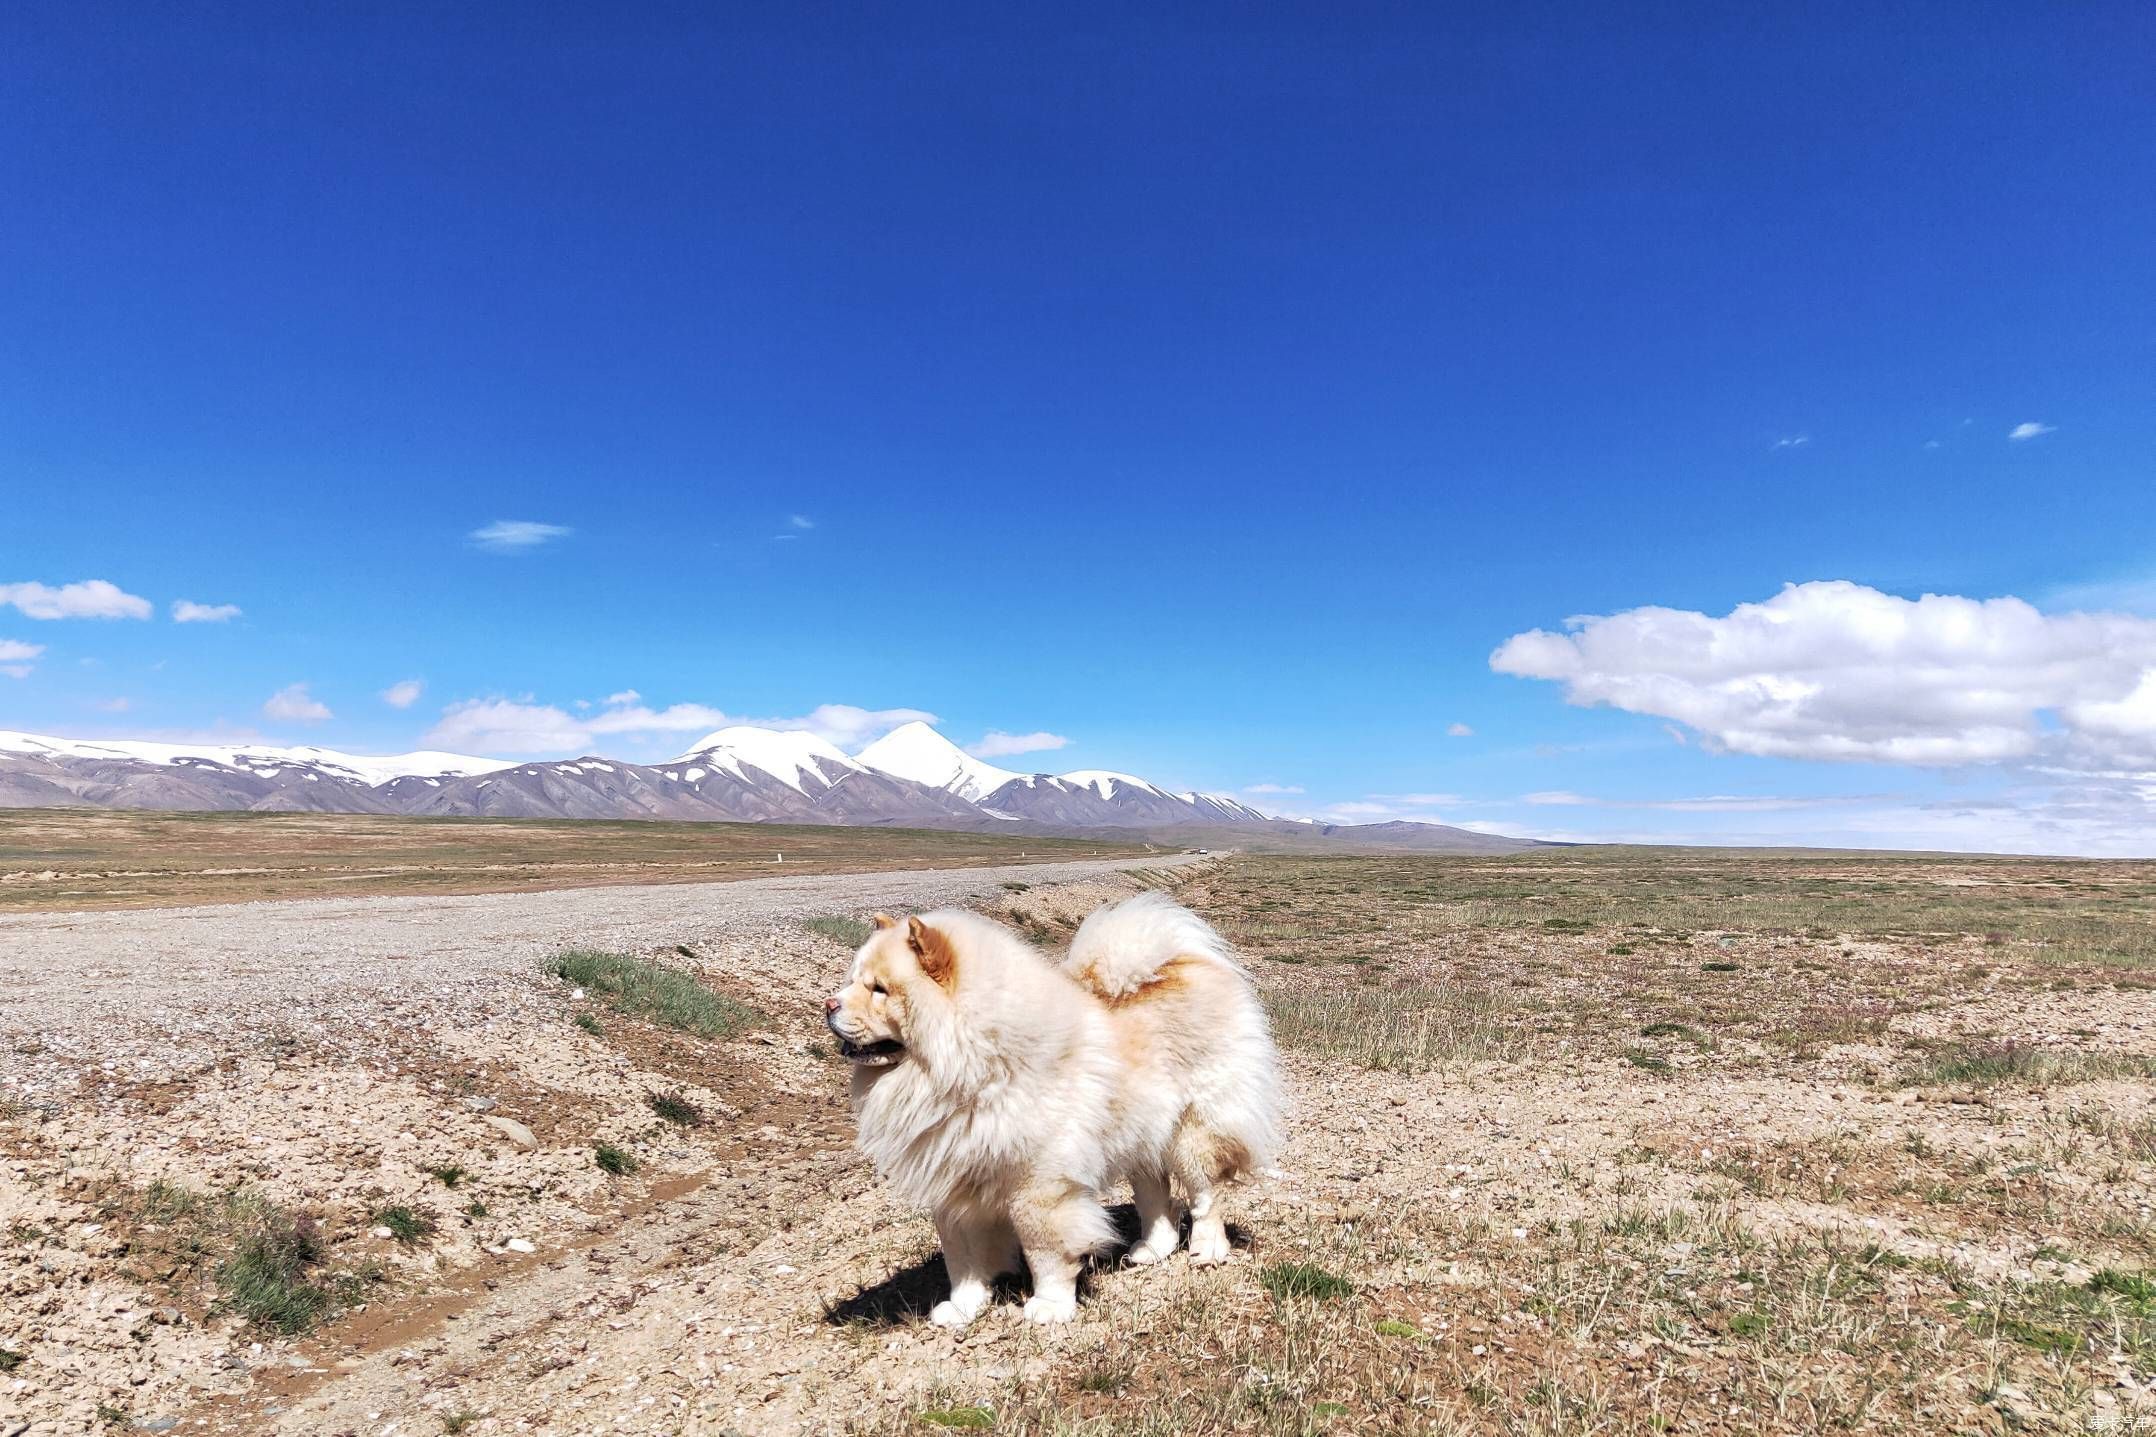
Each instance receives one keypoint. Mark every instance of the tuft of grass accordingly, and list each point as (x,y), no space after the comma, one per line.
(959,1417)
(846,932)
(1719,966)
(165,1202)
(404,1224)
(614,1161)
(11,1359)
(477,1209)
(676,1109)
(448,1175)
(589,1024)
(1394,1327)
(1105,1377)
(1651,1062)
(1301,1279)
(1990,1065)
(456,1422)
(643,989)
(266,1278)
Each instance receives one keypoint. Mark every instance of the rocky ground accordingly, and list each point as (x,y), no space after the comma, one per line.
(1554,1169)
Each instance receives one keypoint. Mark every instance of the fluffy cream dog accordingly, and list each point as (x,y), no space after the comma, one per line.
(1009,1096)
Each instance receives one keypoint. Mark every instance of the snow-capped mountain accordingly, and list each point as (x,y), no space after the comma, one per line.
(917,752)
(1086,798)
(911,777)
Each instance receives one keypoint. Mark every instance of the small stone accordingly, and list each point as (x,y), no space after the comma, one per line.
(479,1105)
(518,1244)
(513,1130)
(383,1232)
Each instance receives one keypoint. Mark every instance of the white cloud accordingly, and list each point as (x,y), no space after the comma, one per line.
(187,611)
(1793,441)
(626,696)
(674,718)
(18,658)
(2031,430)
(998,744)
(1277,788)
(847,726)
(1458,730)
(1423,800)
(404,693)
(503,726)
(520,726)
(1838,671)
(89,599)
(294,704)
(515,536)
(801,521)
(112,706)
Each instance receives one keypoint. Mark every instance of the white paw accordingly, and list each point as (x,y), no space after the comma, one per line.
(1146,1253)
(950,1314)
(1051,1309)
(1208,1248)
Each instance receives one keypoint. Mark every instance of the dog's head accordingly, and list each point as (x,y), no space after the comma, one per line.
(902,967)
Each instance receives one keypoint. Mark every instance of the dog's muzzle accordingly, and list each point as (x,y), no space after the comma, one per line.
(879,1054)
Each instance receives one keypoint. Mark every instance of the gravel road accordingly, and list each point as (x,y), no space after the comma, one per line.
(103,984)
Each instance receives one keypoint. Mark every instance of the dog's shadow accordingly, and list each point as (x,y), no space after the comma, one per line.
(906,1296)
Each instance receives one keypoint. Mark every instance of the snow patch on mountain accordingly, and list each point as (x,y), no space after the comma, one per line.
(791,757)
(916,752)
(263,760)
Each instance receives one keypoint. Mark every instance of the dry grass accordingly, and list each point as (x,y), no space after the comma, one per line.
(1694,1282)
(55,858)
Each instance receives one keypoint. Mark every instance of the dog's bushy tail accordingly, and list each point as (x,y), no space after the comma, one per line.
(1120,949)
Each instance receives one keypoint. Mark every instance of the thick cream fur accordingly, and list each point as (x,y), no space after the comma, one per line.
(1029,1091)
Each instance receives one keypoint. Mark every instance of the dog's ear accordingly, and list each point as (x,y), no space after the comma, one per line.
(882,920)
(938,959)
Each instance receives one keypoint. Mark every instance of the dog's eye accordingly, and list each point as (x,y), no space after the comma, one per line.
(877,988)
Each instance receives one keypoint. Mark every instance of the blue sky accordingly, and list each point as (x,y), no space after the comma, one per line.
(1217,390)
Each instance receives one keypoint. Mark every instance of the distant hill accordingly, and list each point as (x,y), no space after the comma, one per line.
(912,777)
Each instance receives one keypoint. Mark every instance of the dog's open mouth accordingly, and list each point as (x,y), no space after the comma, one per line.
(871,1055)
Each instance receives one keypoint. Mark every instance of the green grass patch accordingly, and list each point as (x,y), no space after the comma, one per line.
(11,1359)
(959,1417)
(449,1175)
(676,1109)
(404,1224)
(589,1024)
(615,1161)
(643,989)
(1650,1062)
(266,1280)
(1394,1327)
(1301,1279)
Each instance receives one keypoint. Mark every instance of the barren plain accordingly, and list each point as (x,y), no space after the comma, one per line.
(1583,1141)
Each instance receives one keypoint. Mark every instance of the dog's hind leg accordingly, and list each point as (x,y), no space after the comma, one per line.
(973,1246)
(1203,1161)
(1160,1226)
(1057,1230)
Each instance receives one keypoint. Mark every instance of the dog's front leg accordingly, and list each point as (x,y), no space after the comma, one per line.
(970,1256)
